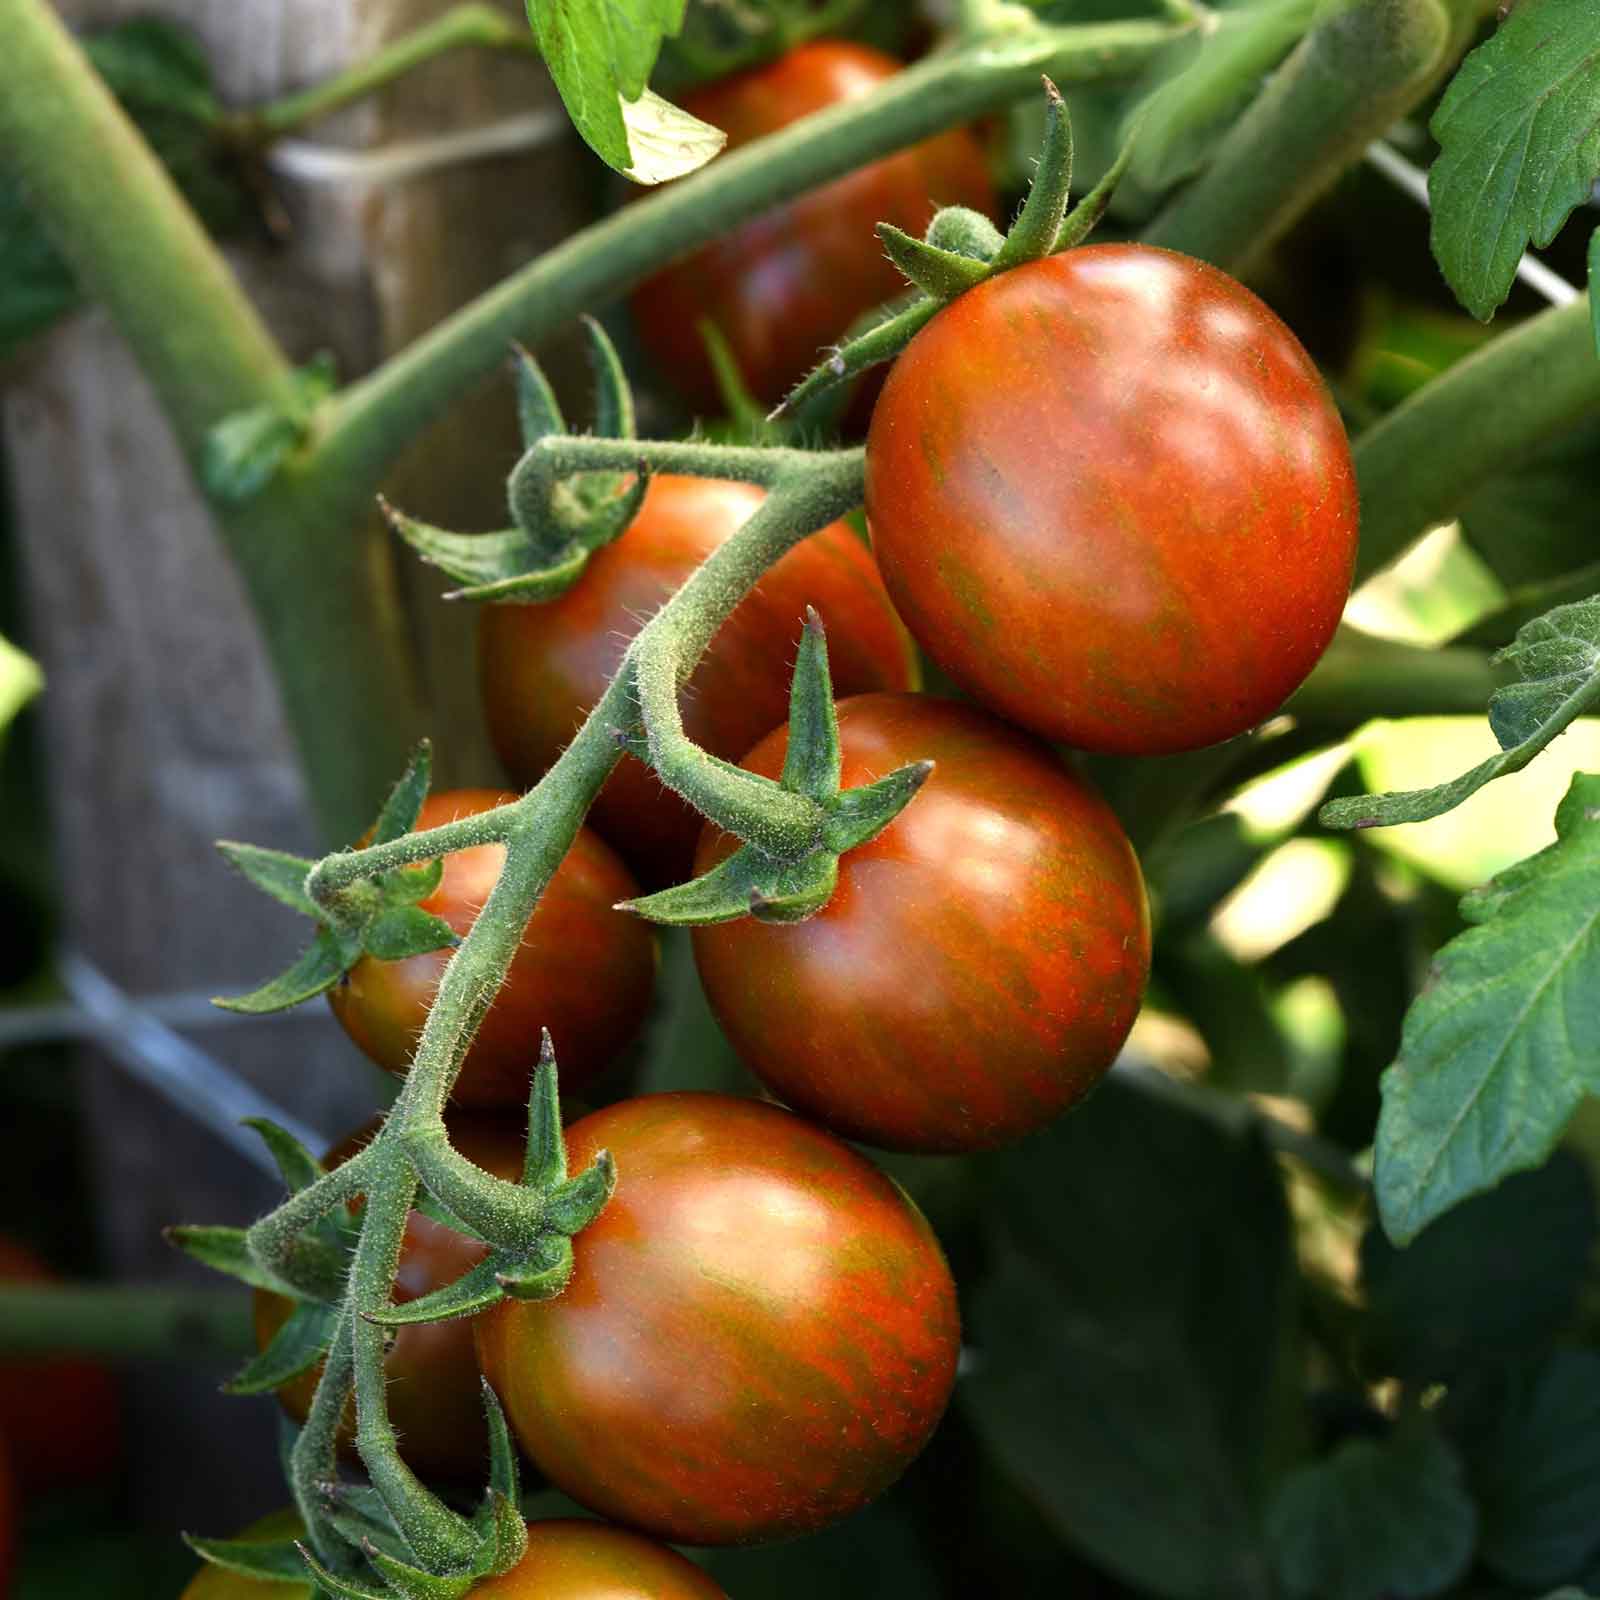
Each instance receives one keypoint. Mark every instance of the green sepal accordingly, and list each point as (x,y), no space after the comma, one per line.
(346,1588)
(506,1536)
(1085,217)
(405,931)
(877,344)
(296,1347)
(435,1211)
(300,1169)
(403,804)
(538,411)
(411,884)
(940,274)
(613,396)
(363,1531)
(317,970)
(243,452)
(1038,224)
(539,1275)
(475,560)
(811,764)
(474,1291)
(800,893)
(573,1205)
(544,1164)
(728,891)
(858,815)
(225,1250)
(274,872)
(412,1583)
(271,1560)
(504,1473)
(961,231)
(747,421)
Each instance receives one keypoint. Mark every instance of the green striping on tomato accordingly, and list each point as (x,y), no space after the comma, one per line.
(584,970)
(435,1396)
(60,1415)
(979,964)
(760,1334)
(543,667)
(565,1560)
(785,284)
(1112,499)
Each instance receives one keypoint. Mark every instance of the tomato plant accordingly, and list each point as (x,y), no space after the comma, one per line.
(980,962)
(780,287)
(61,1416)
(755,1293)
(1111,497)
(583,971)
(543,667)
(434,1391)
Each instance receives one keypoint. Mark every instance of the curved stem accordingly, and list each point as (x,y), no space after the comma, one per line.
(375,418)
(314,1460)
(271,1241)
(337,872)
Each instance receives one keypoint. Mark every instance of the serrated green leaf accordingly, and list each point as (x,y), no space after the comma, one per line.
(940,274)
(665,141)
(1519,145)
(472,1292)
(273,872)
(405,931)
(1558,658)
(1377,1520)
(403,804)
(296,1347)
(1501,1044)
(224,1250)
(1494,1279)
(1531,1439)
(270,1560)
(322,965)
(299,1167)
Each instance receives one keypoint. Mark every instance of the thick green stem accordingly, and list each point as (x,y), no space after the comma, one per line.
(1422,462)
(1362,676)
(327,605)
(125,1324)
(465,25)
(376,417)
(1345,84)
(314,1460)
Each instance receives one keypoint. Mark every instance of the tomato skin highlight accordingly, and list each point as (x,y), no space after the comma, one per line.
(566,1559)
(783,285)
(981,961)
(542,668)
(584,970)
(1112,499)
(434,1394)
(760,1334)
(61,1416)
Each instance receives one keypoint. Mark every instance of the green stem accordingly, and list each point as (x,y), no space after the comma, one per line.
(329,611)
(375,418)
(1344,85)
(1362,677)
(464,25)
(124,1323)
(1419,466)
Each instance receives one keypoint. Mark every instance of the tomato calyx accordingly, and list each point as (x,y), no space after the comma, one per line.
(380,917)
(963,248)
(556,527)
(753,882)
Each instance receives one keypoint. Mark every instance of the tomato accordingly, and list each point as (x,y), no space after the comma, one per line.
(979,964)
(566,1560)
(60,1415)
(792,280)
(544,666)
(760,1332)
(1111,498)
(435,1399)
(584,970)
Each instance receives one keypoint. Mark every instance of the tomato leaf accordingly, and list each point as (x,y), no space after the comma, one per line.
(1531,1438)
(1558,659)
(1121,1231)
(405,931)
(243,452)
(1377,1518)
(322,966)
(296,1347)
(274,872)
(271,1560)
(1494,1279)
(1500,1046)
(1519,146)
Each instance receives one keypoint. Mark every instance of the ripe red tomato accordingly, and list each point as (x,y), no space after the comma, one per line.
(435,1401)
(791,281)
(584,971)
(566,1560)
(760,1333)
(60,1415)
(543,667)
(1111,498)
(979,964)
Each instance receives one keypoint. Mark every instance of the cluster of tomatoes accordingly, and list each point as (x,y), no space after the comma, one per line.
(1108,495)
